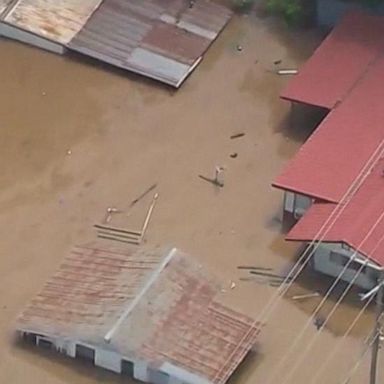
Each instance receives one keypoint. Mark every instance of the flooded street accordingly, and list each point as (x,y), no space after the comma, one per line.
(77,138)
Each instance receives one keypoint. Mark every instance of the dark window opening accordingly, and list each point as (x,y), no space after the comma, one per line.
(85,353)
(29,338)
(158,377)
(127,368)
(344,260)
(44,343)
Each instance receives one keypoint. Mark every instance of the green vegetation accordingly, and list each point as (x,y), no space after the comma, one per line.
(242,5)
(295,11)
(291,10)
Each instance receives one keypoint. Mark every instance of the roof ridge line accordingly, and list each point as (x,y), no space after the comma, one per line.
(10,7)
(153,277)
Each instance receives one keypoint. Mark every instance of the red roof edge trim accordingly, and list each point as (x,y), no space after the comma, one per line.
(305,193)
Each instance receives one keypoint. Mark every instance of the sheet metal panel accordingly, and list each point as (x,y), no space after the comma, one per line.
(160,39)
(56,20)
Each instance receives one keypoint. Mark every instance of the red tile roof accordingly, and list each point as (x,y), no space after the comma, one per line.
(340,61)
(162,309)
(331,159)
(358,223)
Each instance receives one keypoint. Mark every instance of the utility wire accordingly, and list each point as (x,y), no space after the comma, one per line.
(340,342)
(322,327)
(309,322)
(292,275)
(360,359)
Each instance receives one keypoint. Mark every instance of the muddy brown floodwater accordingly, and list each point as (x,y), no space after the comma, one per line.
(76,138)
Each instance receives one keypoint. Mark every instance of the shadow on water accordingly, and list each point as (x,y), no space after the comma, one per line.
(250,363)
(301,121)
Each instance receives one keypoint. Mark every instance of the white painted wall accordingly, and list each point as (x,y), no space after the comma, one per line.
(70,348)
(289,201)
(11,32)
(108,360)
(140,371)
(322,263)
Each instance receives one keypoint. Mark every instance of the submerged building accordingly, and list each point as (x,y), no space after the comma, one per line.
(160,39)
(147,314)
(333,187)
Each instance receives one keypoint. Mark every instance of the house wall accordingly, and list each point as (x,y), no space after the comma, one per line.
(141,371)
(331,259)
(329,12)
(295,205)
(166,374)
(108,359)
(11,32)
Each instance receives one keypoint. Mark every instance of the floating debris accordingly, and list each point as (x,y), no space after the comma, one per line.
(251,267)
(151,188)
(218,179)
(306,296)
(318,322)
(237,135)
(287,71)
(121,234)
(233,155)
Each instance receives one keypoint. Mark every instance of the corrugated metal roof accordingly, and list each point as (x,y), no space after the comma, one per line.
(358,224)
(55,20)
(163,40)
(156,306)
(340,61)
(4,5)
(331,159)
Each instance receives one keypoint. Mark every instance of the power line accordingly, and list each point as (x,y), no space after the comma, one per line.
(361,358)
(325,298)
(281,291)
(340,342)
(322,327)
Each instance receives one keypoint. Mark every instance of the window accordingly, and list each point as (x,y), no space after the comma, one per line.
(30,337)
(85,353)
(338,258)
(44,343)
(343,260)
(358,267)
(158,377)
(127,368)
(301,204)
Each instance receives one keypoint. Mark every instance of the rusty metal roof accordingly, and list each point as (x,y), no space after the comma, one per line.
(4,4)
(160,39)
(55,20)
(157,306)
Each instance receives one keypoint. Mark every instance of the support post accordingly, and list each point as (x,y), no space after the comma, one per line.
(377,330)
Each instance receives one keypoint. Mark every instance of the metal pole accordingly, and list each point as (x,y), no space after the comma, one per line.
(377,330)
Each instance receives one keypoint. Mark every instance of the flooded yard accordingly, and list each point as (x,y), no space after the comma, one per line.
(77,138)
